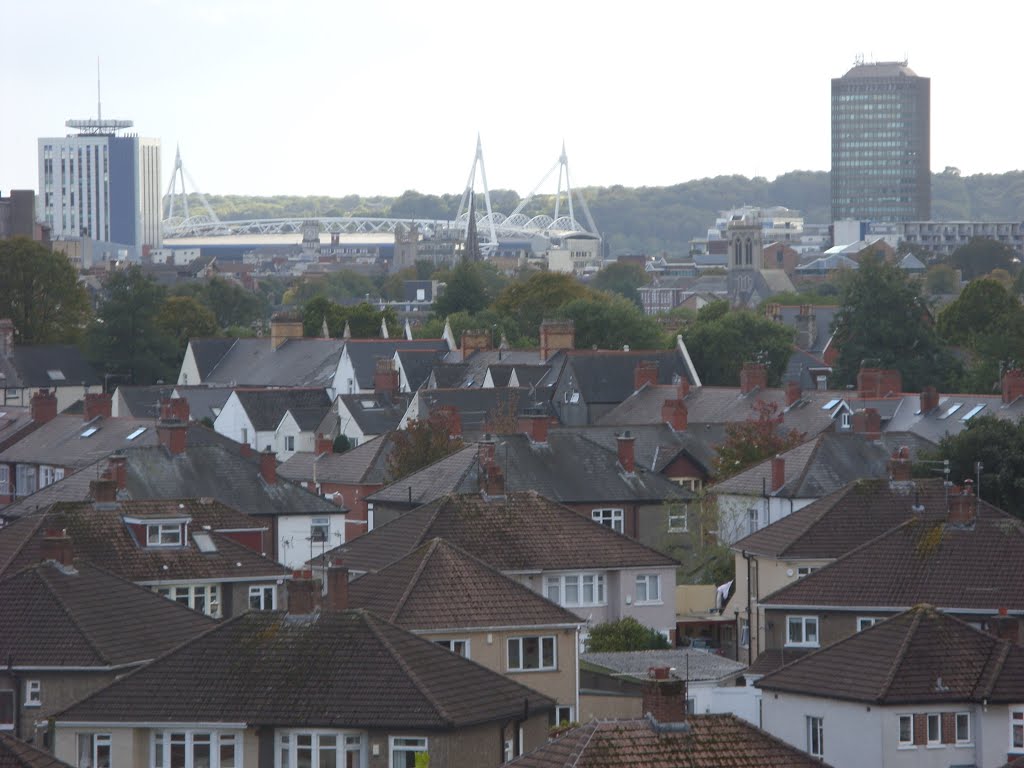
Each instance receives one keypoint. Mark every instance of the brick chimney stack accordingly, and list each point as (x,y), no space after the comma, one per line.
(491,478)
(172,427)
(753,376)
(664,697)
(104,490)
(117,467)
(867,422)
(675,414)
(268,467)
(386,378)
(1013,385)
(56,545)
(1005,627)
(879,382)
(282,328)
(556,335)
(684,387)
(323,445)
(929,400)
(646,372)
(778,473)
(44,406)
(963,506)
(303,595)
(535,426)
(474,341)
(337,587)
(899,465)
(97,404)
(793,392)
(627,452)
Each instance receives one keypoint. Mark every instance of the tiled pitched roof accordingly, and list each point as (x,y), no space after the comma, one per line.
(771,659)
(417,364)
(15,753)
(209,352)
(295,363)
(61,441)
(15,423)
(722,405)
(440,586)
(209,471)
(709,741)
(658,445)
(476,407)
(364,354)
(518,532)
(687,663)
(55,616)
(100,535)
(854,515)
(374,413)
(266,407)
(34,362)
(365,464)
(920,656)
(923,560)
(449,375)
(604,376)
(816,468)
(142,402)
(568,468)
(476,365)
(270,668)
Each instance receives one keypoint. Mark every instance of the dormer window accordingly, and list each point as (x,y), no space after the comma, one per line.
(164,534)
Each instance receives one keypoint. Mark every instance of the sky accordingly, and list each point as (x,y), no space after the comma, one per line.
(338,97)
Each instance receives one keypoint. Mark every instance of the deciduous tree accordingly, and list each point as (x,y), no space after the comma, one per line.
(420,444)
(722,339)
(623,279)
(626,634)
(754,440)
(610,321)
(39,292)
(528,302)
(999,446)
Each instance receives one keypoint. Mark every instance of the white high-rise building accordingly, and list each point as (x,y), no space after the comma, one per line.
(99,185)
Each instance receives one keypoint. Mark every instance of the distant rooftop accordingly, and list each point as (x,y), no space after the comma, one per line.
(881,69)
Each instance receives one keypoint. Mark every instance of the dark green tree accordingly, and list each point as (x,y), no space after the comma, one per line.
(230,303)
(184,318)
(941,279)
(626,634)
(528,302)
(621,278)
(999,445)
(39,292)
(465,291)
(721,340)
(127,337)
(883,318)
(982,255)
(611,321)
(364,320)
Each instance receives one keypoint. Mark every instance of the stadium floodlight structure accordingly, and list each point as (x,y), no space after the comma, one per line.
(560,223)
(176,198)
(486,248)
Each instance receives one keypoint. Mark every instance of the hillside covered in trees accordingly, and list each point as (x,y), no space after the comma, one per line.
(655,219)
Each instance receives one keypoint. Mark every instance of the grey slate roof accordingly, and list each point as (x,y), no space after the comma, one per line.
(816,468)
(204,402)
(365,353)
(29,366)
(480,360)
(209,352)
(569,468)
(478,406)
(62,441)
(608,376)
(295,363)
(141,402)
(417,364)
(365,464)
(266,407)
(657,445)
(55,616)
(689,664)
(517,532)
(449,376)
(381,677)
(375,413)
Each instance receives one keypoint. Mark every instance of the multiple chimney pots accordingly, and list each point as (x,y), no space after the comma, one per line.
(753,376)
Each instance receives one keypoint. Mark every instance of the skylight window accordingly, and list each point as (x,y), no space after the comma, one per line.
(830,404)
(90,432)
(136,433)
(952,409)
(972,413)
(55,374)
(204,542)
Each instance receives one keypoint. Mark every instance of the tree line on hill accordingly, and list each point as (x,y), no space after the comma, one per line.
(657,219)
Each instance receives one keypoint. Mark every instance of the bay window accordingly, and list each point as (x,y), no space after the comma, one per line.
(195,749)
(1017,730)
(319,749)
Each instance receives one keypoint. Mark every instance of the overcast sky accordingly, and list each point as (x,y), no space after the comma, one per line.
(377,96)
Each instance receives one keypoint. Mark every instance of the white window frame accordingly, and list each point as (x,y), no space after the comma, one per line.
(753,520)
(866,622)
(816,733)
(804,622)
(405,745)
(610,517)
(155,533)
(556,715)
(320,523)
(346,742)
(160,745)
(48,475)
(805,570)
(260,592)
(905,743)
(190,594)
(289,442)
(26,480)
(957,719)
(93,742)
(244,436)
(542,640)
(33,693)
(5,480)
(679,522)
(933,717)
(457,645)
(646,580)
(744,633)
(1017,729)
(561,588)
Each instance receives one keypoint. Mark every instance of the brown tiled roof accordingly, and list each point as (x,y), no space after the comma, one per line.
(772,659)
(517,532)
(366,463)
(55,616)
(346,669)
(99,534)
(439,586)
(920,656)
(15,753)
(923,560)
(857,513)
(709,741)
